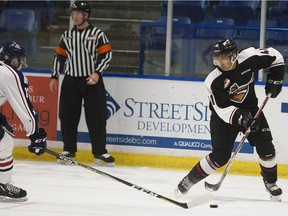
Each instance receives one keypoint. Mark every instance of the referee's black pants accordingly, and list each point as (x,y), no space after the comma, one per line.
(75,91)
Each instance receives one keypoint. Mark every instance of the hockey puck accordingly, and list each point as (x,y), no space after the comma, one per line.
(213,206)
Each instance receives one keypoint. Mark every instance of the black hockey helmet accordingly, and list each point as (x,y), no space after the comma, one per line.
(10,50)
(81,6)
(225,47)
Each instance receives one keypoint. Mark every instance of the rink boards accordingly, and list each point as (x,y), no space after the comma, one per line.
(167,118)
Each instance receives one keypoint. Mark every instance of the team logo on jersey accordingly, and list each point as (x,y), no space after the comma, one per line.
(112,105)
(238,93)
(91,38)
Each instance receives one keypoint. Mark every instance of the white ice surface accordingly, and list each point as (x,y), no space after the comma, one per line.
(57,190)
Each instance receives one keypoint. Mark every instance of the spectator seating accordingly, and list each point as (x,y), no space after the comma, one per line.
(255,34)
(240,11)
(279,12)
(283,4)
(251,37)
(18,19)
(156,42)
(252,3)
(212,30)
(176,30)
(22,26)
(157,39)
(218,31)
(39,8)
(281,37)
(195,10)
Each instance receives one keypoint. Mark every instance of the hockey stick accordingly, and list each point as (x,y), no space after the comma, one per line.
(215,187)
(198,201)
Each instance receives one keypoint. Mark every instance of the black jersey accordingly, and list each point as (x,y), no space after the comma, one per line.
(230,90)
(82,52)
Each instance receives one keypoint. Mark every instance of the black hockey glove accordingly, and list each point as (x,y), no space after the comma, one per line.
(274,87)
(38,142)
(245,119)
(6,126)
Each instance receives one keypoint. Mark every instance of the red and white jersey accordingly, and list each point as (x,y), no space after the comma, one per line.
(230,90)
(14,89)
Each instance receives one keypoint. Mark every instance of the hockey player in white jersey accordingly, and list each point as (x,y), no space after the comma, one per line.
(14,90)
(233,103)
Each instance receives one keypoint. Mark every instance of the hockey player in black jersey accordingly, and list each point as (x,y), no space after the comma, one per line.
(233,103)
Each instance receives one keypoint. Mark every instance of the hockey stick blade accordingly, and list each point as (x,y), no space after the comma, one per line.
(212,187)
(198,201)
(215,187)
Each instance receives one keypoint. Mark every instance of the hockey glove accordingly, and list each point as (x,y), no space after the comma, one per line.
(274,87)
(6,126)
(244,118)
(38,142)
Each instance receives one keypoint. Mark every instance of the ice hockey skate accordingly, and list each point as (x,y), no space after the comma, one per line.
(274,191)
(183,187)
(67,154)
(11,193)
(105,160)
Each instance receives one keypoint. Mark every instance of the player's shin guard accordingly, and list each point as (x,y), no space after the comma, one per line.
(6,158)
(269,172)
(6,166)
(8,192)
(201,170)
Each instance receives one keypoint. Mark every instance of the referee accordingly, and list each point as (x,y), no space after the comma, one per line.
(84,53)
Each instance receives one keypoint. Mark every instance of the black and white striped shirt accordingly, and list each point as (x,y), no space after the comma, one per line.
(82,52)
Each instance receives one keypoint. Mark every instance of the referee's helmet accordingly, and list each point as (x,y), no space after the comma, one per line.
(81,6)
